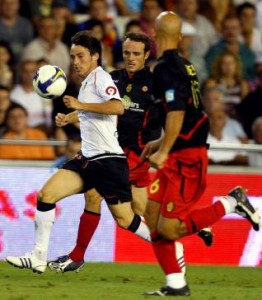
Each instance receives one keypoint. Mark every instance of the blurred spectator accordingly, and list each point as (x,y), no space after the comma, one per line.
(66,22)
(133,26)
(230,42)
(17,128)
(259,15)
(149,11)
(251,36)
(6,65)
(14,29)
(46,45)
(36,8)
(39,109)
(251,106)
(97,29)
(72,148)
(205,32)
(217,118)
(129,8)
(226,75)
(5,103)
(255,158)
(213,99)
(99,10)
(185,49)
(216,11)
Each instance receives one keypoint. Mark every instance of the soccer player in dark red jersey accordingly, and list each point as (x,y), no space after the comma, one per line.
(180,157)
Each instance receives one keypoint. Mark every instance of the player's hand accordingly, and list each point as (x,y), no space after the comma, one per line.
(149,149)
(71,102)
(61,120)
(158,159)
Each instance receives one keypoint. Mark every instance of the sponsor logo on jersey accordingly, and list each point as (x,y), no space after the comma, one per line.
(129,88)
(126,102)
(170,95)
(111,90)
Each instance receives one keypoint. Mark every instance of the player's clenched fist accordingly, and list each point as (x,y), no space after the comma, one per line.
(61,120)
(71,102)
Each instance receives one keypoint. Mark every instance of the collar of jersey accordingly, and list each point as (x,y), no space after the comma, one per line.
(91,74)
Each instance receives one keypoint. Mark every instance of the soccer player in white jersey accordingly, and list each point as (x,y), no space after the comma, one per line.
(101,163)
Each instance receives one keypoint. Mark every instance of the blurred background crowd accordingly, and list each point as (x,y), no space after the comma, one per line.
(223,39)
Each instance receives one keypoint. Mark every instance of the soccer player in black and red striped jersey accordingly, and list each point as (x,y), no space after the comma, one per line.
(180,157)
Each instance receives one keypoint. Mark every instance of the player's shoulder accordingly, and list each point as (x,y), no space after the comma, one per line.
(102,74)
(115,74)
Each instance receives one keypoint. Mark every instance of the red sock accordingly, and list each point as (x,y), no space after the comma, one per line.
(87,226)
(203,217)
(165,252)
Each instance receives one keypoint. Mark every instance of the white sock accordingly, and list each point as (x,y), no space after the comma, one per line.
(229,203)
(175,280)
(44,221)
(143,231)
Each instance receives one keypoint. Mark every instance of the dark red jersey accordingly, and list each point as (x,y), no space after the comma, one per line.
(176,85)
(141,121)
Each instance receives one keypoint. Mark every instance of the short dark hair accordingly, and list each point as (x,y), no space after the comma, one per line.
(12,107)
(7,46)
(85,39)
(139,37)
(240,8)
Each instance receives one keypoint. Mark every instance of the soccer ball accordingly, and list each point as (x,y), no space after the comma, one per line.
(49,82)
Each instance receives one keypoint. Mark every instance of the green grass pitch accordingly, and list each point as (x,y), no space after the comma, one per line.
(115,281)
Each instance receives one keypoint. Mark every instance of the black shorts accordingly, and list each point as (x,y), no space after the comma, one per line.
(108,174)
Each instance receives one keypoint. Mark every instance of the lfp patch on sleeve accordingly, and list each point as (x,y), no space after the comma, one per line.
(170,95)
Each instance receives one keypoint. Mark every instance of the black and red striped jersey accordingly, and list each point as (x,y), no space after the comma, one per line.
(141,121)
(176,85)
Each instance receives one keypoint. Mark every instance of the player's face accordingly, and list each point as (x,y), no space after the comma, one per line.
(134,55)
(83,62)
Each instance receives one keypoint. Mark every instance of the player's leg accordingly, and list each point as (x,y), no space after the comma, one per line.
(89,221)
(167,253)
(60,185)
(139,201)
(169,228)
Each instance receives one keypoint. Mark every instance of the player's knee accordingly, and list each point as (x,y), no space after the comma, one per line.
(168,233)
(42,196)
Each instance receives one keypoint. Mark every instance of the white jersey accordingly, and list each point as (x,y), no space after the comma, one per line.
(98,131)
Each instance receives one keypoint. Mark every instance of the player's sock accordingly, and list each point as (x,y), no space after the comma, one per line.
(165,252)
(203,217)
(87,227)
(44,220)
(139,228)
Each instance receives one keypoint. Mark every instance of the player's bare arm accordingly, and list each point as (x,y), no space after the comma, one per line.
(150,148)
(173,127)
(64,119)
(112,107)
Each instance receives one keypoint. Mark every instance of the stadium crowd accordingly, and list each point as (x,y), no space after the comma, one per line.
(223,39)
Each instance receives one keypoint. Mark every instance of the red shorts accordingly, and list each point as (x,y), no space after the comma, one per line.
(139,170)
(181,183)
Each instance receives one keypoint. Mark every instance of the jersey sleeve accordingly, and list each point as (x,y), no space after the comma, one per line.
(106,87)
(170,87)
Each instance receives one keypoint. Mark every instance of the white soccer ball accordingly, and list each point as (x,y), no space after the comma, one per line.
(49,82)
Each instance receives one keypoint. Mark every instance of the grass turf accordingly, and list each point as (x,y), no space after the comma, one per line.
(108,281)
